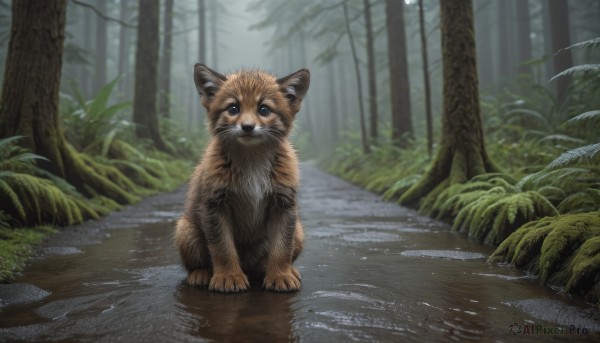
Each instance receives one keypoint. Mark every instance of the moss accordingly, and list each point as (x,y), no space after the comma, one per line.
(16,246)
(564,250)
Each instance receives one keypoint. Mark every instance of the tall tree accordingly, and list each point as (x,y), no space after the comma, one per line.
(86,81)
(462,152)
(202,31)
(124,49)
(214,32)
(426,86)
(333,105)
(361,108)
(561,38)
(145,114)
(101,48)
(504,43)
(165,64)
(485,49)
(371,71)
(30,95)
(399,84)
(523,36)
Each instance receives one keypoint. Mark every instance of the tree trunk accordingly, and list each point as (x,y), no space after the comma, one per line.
(333,106)
(372,72)
(561,38)
(399,84)
(426,85)
(30,95)
(214,32)
(86,85)
(363,130)
(124,51)
(202,31)
(165,67)
(145,114)
(100,52)
(485,50)
(523,36)
(504,47)
(462,153)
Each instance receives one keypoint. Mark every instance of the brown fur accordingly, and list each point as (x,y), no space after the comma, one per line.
(241,215)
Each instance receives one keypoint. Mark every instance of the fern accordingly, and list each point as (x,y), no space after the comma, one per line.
(586,155)
(32,196)
(590,43)
(563,250)
(583,68)
(584,118)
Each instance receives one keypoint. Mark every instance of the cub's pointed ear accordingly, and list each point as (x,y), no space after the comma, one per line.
(207,81)
(295,86)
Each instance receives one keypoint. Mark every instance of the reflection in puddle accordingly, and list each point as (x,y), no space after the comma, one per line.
(447,254)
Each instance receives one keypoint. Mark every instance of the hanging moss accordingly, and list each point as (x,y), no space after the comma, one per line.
(30,200)
(564,251)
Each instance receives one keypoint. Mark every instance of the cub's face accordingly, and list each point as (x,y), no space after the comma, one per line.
(250,107)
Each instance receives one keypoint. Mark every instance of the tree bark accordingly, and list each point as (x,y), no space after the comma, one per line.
(145,114)
(485,53)
(30,95)
(523,36)
(462,153)
(86,85)
(165,67)
(373,131)
(124,51)
(333,106)
(399,84)
(504,46)
(561,38)
(214,33)
(426,86)
(202,31)
(100,52)
(363,130)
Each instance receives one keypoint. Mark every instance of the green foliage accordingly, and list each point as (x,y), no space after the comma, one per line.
(563,250)
(91,126)
(386,169)
(489,207)
(31,200)
(16,246)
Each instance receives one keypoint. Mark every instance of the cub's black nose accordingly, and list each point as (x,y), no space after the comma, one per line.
(248,127)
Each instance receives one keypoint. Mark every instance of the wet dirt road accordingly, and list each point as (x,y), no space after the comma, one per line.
(372,271)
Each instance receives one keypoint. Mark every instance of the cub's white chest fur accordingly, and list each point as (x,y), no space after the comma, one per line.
(252,184)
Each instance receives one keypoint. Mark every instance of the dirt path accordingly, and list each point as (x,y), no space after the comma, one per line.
(371,271)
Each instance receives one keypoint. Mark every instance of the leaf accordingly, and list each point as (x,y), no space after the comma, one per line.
(594,43)
(101,99)
(577,69)
(584,117)
(585,155)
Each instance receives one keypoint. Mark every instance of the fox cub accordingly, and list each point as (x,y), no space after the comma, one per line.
(240,212)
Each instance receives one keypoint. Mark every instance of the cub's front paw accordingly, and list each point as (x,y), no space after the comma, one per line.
(229,283)
(283,282)
(198,277)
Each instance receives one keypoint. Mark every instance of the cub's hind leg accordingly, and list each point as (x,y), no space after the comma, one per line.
(193,251)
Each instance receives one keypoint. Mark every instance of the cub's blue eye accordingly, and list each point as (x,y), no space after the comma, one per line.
(233,109)
(264,110)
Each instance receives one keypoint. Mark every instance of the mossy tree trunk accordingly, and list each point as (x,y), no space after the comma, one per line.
(145,112)
(399,84)
(372,72)
(30,95)
(165,63)
(462,153)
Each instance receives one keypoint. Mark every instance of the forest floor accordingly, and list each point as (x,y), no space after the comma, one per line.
(371,271)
